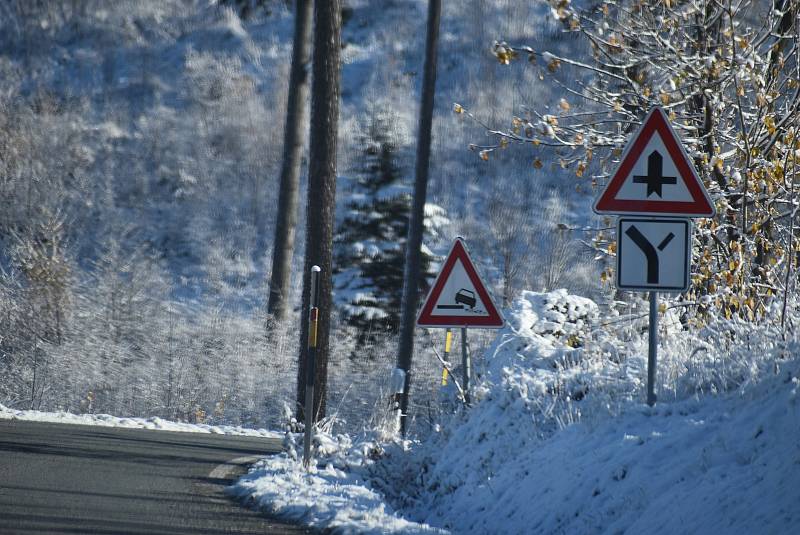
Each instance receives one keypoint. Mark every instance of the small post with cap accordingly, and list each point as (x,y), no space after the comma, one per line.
(313,320)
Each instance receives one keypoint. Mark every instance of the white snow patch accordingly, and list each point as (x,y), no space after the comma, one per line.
(333,494)
(106,420)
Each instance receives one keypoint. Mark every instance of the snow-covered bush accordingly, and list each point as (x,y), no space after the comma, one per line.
(562,368)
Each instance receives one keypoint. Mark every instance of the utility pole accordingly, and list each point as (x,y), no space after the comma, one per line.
(286,221)
(416,225)
(321,196)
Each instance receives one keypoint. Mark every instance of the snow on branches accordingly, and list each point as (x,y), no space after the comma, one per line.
(728,75)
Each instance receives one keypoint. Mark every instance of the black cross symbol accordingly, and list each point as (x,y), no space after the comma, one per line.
(654,180)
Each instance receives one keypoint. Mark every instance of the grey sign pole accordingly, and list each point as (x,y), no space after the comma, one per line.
(465,364)
(313,318)
(652,349)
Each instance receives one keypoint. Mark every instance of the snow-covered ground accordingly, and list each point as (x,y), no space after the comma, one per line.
(106,420)
(334,494)
(534,456)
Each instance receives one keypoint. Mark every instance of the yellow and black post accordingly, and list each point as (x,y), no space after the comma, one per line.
(313,320)
(448,343)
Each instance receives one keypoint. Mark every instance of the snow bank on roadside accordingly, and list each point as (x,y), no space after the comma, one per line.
(106,420)
(334,494)
(560,440)
(727,464)
(539,452)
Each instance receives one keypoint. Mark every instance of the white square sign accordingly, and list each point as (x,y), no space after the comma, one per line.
(653,254)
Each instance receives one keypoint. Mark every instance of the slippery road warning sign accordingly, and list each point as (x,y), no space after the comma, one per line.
(458,297)
(655,176)
(653,254)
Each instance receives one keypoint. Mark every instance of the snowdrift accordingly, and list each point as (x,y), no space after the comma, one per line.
(559,439)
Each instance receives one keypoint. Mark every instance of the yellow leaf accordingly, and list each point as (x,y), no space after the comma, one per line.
(664,98)
(580,170)
(457,108)
(662,307)
(769,122)
(563,104)
(484,154)
(537,163)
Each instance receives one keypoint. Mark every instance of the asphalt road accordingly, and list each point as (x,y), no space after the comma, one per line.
(57,478)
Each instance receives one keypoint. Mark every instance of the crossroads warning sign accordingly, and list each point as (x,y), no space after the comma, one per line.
(458,297)
(655,176)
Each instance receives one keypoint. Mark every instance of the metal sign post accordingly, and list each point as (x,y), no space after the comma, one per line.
(652,350)
(313,319)
(465,364)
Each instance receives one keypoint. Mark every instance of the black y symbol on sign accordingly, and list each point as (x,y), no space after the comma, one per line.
(649,251)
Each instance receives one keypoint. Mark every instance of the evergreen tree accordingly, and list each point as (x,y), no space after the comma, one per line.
(371,238)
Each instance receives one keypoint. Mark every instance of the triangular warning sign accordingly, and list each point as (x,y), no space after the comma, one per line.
(655,176)
(458,297)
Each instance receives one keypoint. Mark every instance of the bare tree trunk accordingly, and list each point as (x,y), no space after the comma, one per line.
(292,158)
(416,227)
(321,194)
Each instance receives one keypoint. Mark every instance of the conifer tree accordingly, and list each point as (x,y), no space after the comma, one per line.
(371,238)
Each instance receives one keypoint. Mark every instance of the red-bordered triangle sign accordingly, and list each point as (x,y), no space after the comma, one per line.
(655,176)
(458,297)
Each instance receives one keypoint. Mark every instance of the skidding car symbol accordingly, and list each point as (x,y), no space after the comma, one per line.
(466,297)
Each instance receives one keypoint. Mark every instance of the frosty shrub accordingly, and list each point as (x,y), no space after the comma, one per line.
(727,76)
